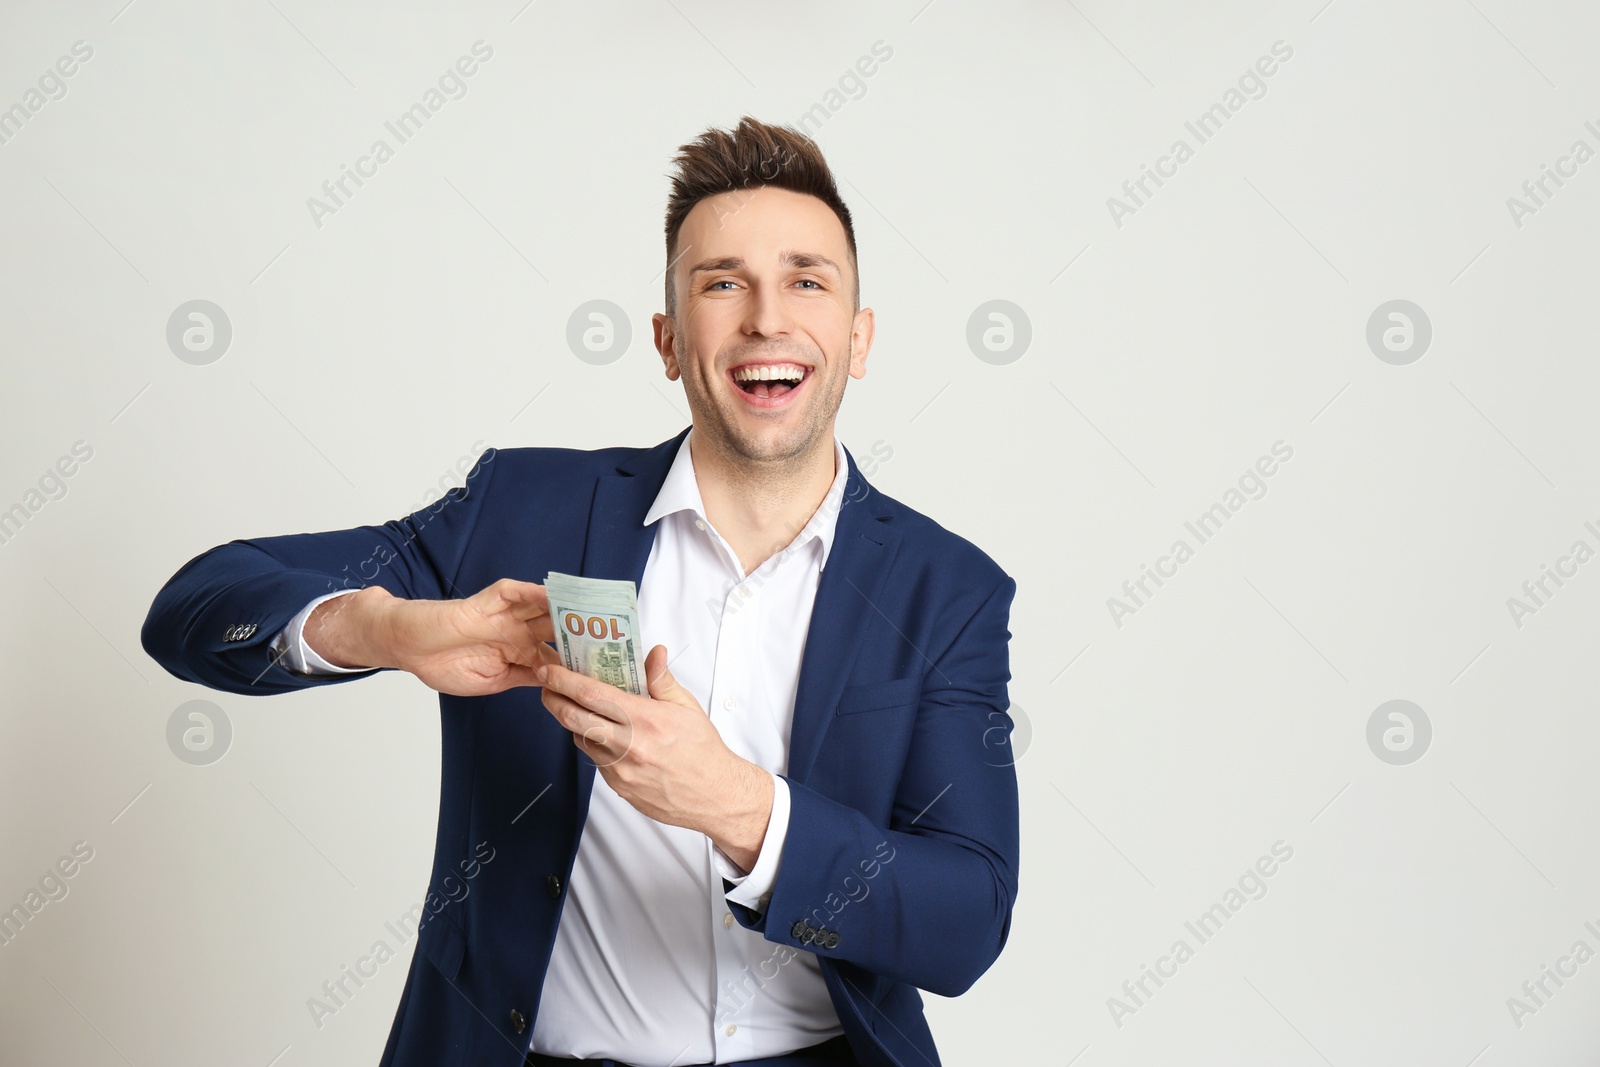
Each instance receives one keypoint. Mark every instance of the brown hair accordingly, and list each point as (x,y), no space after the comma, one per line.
(753,155)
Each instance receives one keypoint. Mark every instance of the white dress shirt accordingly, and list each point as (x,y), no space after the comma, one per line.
(649,965)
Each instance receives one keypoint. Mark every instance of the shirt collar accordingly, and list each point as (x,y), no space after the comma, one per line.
(681,492)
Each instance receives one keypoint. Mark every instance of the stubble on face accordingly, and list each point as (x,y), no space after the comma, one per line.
(770,450)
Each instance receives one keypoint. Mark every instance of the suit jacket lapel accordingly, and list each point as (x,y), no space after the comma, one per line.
(617,543)
(864,547)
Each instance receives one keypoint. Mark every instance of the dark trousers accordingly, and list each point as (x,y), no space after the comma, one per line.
(833,1052)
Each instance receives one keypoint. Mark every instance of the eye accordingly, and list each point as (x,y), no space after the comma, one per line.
(810,281)
(724,281)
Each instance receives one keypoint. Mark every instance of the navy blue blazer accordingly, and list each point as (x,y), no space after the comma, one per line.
(900,867)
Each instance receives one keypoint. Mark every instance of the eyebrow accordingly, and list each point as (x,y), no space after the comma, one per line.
(786,258)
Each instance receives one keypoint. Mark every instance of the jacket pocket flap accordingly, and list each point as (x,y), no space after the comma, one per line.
(875,696)
(443,944)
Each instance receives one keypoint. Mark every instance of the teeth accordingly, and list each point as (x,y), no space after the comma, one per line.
(776,372)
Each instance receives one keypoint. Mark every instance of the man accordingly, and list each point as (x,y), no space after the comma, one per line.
(804,821)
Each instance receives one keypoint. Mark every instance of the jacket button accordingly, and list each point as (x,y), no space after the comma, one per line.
(832,939)
(798,929)
(519,1021)
(552,885)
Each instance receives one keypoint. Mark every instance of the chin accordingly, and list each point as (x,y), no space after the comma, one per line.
(774,445)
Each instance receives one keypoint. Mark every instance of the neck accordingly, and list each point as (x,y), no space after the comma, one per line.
(759,508)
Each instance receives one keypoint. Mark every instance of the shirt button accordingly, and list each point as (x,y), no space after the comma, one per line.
(731,1028)
(730,703)
(744,591)
(700,524)
(727,920)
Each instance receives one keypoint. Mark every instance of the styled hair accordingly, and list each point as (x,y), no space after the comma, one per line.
(755,154)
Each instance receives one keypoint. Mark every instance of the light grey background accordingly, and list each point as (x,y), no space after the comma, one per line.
(428,318)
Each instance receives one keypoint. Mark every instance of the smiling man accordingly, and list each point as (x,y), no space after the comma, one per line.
(808,818)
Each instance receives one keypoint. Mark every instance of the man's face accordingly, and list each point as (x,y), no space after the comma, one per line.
(764,335)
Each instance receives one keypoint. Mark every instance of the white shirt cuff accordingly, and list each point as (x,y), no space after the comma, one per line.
(753,889)
(300,657)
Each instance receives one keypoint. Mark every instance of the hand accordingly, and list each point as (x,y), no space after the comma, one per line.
(662,754)
(487,643)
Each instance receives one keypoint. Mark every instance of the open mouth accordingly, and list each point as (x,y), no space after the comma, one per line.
(769,382)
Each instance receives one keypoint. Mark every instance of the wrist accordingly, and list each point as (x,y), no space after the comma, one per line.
(747,816)
(355,631)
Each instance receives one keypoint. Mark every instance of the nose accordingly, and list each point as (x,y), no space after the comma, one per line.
(766,313)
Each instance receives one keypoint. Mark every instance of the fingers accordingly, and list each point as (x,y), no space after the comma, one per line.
(519,675)
(563,687)
(599,726)
(528,604)
(510,614)
(523,600)
(530,657)
(582,720)
(660,683)
(527,600)
(655,665)
(523,665)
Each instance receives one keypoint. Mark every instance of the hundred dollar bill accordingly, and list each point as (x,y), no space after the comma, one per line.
(597,629)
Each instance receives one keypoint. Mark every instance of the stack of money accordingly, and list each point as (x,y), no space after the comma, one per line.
(597,629)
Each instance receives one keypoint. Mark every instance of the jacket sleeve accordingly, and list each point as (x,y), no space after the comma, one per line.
(928,899)
(214,620)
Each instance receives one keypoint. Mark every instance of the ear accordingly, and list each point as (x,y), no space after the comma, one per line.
(861,334)
(665,333)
